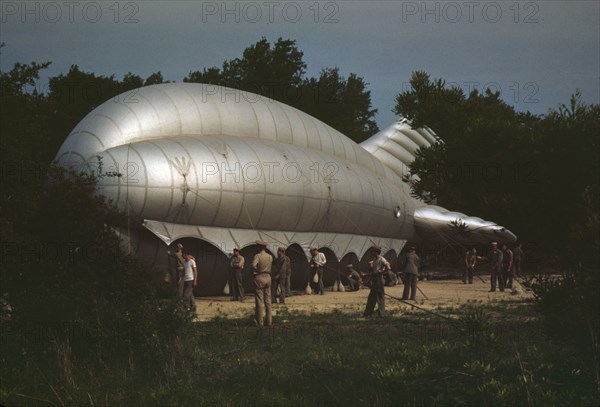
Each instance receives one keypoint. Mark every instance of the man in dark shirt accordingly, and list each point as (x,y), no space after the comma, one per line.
(281,269)
(377,293)
(177,277)
(470,261)
(354,279)
(507,267)
(390,278)
(495,257)
(236,283)
(411,272)
(518,257)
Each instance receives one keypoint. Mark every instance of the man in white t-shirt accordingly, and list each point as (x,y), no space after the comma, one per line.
(190,280)
(317,263)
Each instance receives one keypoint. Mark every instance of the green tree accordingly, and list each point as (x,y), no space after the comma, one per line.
(344,104)
(430,103)
(547,190)
(277,71)
(131,81)
(472,168)
(77,93)
(270,70)
(64,271)
(154,79)
(523,171)
(567,152)
(25,117)
(210,76)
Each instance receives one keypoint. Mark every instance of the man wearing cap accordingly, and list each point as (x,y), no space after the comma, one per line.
(261,266)
(353,278)
(281,269)
(317,262)
(495,258)
(236,283)
(377,293)
(411,272)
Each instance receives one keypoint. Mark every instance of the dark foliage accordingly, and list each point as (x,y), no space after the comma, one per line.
(278,72)
(70,291)
(538,176)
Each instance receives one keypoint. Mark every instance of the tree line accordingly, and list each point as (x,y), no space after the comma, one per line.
(536,175)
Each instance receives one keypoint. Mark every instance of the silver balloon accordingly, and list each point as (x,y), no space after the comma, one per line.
(229,167)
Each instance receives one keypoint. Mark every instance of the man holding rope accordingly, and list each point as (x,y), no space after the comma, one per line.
(377,293)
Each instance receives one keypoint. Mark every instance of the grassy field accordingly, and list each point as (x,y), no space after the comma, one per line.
(487,354)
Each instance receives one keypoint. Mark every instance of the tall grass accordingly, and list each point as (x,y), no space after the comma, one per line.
(326,359)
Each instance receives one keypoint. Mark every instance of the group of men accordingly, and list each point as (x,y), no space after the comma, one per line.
(272,281)
(504,264)
(376,280)
(272,278)
(281,274)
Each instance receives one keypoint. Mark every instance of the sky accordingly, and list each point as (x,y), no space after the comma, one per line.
(536,53)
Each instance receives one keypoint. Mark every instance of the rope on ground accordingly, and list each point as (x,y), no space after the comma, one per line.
(421,308)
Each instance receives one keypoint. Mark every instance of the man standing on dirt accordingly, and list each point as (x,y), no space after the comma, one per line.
(190,280)
(495,257)
(236,283)
(177,277)
(288,279)
(507,267)
(518,257)
(470,260)
(377,293)
(411,272)
(281,269)
(261,265)
(317,262)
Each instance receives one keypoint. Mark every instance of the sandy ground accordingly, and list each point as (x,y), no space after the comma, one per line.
(432,294)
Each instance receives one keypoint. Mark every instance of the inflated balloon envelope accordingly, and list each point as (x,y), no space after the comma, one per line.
(227,167)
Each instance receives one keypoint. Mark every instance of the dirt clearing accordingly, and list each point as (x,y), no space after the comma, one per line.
(439,293)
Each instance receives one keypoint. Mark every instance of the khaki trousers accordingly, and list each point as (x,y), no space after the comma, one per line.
(262,298)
